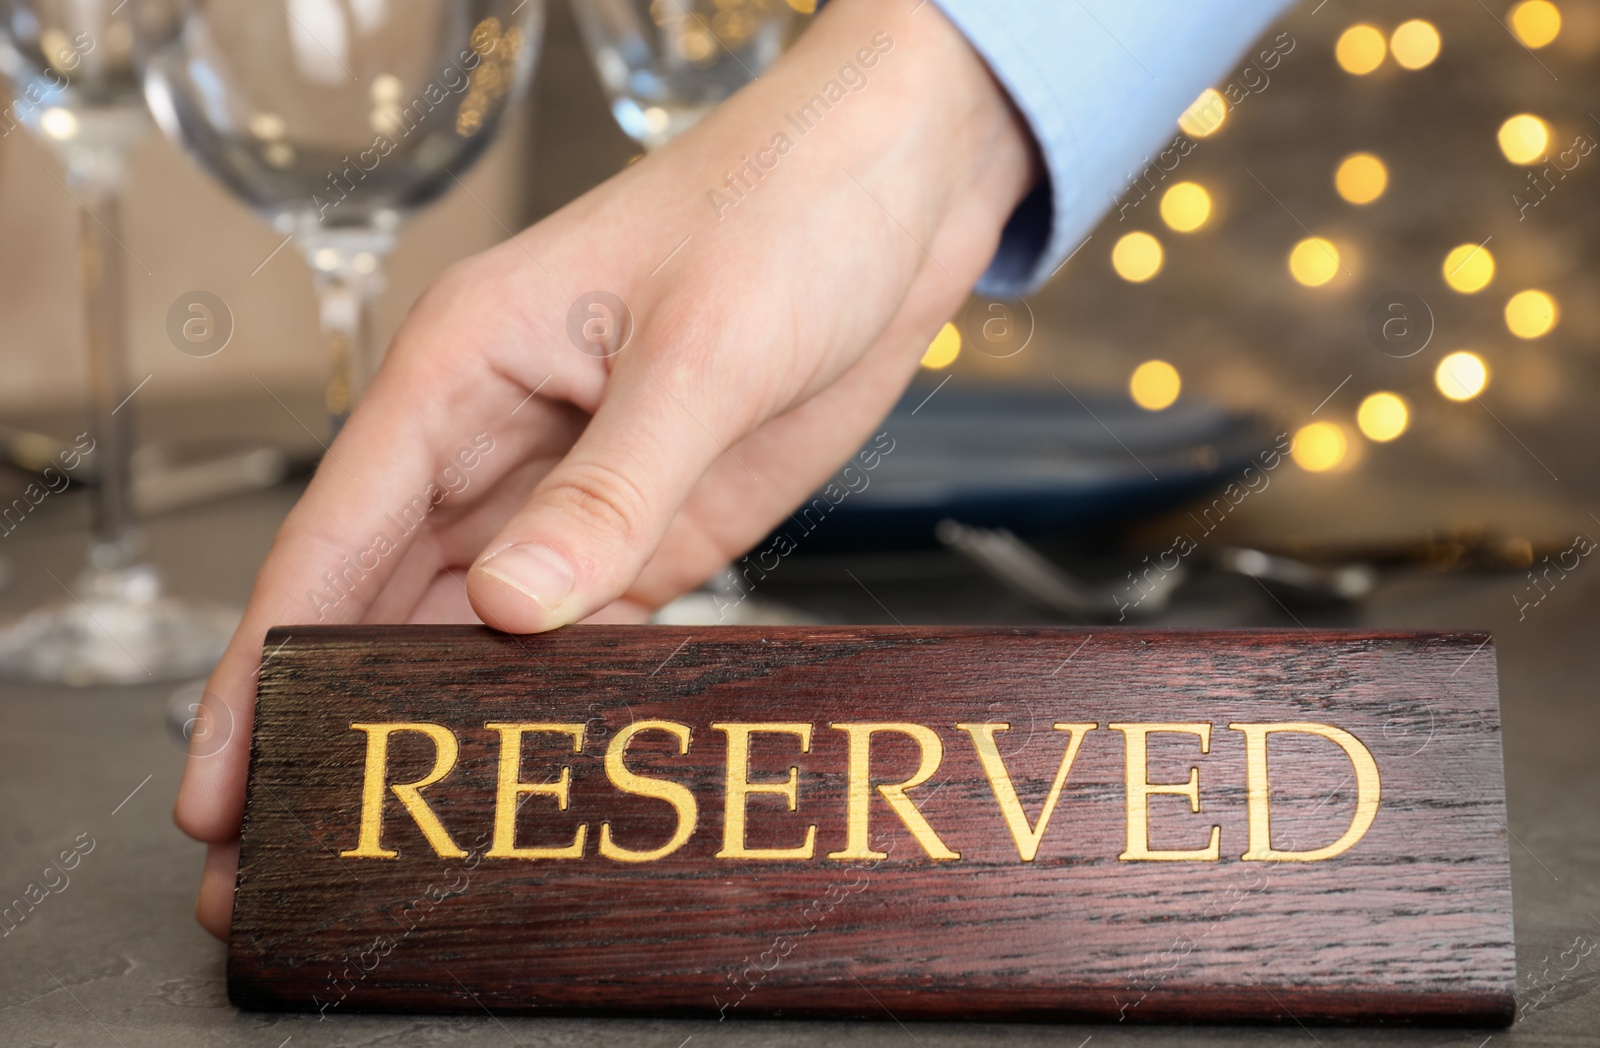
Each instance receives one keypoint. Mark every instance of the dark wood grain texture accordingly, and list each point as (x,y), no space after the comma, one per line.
(1411,924)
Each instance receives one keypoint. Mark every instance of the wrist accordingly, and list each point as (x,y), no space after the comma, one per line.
(935,113)
(888,91)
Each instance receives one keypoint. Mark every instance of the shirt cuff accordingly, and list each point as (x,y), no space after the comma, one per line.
(1100,85)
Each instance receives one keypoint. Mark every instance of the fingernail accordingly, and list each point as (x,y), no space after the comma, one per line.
(537,572)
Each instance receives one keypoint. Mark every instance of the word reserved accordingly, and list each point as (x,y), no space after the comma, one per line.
(512,791)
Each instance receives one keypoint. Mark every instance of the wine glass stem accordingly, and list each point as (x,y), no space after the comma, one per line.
(115,535)
(349,277)
(346,310)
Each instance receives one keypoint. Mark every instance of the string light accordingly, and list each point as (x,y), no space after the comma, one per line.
(386,87)
(944,349)
(1137,257)
(1360,49)
(1155,385)
(1382,417)
(1461,375)
(1205,114)
(1535,23)
(1415,44)
(1361,178)
(1468,268)
(267,126)
(1524,138)
(60,124)
(1531,313)
(1314,261)
(1186,207)
(1319,447)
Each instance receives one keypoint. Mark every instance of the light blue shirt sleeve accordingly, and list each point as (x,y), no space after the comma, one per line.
(1101,84)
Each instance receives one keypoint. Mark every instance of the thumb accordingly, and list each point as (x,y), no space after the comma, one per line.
(592,524)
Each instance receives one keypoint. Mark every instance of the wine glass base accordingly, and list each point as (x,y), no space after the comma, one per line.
(118,628)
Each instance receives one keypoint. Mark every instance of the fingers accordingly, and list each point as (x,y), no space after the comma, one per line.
(345,542)
(596,519)
(314,573)
(796,454)
(445,601)
(214,908)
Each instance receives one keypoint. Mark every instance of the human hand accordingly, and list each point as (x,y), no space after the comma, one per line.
(773,328)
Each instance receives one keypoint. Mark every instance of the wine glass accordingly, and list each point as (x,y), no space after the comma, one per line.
(335,119)
(665,63)
(71,70)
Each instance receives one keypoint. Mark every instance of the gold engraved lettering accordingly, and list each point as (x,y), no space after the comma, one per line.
(860,790)
(739,787)
(510,787)
(369,844)
(1027,837)
(674,793)
(1369,788)
(1139,789)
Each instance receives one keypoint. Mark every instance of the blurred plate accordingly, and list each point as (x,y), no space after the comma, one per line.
(1036,464)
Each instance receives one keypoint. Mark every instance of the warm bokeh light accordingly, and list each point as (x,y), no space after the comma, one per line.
(267,126)
(1461,375)
(1186,207)
(1205,114)
(1361,178)
(59,124)
(1468,268)
(1531,313)
(1382,417)
(1137,257)
(1415,44)
(1155,385)
(944,349)
(1319,447)
(1536,23)
(1524,138)
(1314,261)
(1360,49)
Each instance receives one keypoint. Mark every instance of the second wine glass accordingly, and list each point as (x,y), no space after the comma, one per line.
(666,63)
(335,119)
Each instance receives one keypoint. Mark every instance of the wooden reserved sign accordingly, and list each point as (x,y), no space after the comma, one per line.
(1122,824)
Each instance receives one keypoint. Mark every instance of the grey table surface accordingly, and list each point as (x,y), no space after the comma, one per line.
(115,958)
